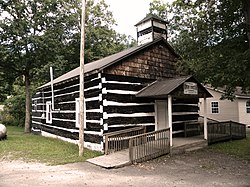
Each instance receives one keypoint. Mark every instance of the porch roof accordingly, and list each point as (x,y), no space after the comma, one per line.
(174,86)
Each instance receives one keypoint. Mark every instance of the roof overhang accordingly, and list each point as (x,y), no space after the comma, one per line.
(238,91)
(181,87)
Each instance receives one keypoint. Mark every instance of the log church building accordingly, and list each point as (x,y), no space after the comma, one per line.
(139,86)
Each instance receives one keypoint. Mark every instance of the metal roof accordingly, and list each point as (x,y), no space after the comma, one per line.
(151,17)
(101,64)
(162,88)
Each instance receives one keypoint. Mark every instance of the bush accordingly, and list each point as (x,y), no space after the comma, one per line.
(14,111)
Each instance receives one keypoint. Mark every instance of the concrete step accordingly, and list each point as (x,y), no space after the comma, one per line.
(113,160)
(188,147)
(194,149)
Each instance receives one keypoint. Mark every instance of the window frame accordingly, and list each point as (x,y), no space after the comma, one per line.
(248,106)
(215,109)
(49,112)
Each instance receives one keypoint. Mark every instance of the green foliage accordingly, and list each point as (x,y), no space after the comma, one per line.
(159,8)
(32,34)
(35,35)
(30,147)
(14,108)
(5,90)
(211,37)
(101,39)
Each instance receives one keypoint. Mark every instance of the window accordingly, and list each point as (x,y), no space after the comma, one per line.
(48,112)
(215,107)
(78,113)
(248,106)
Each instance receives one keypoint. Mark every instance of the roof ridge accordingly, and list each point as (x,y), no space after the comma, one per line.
(151,16)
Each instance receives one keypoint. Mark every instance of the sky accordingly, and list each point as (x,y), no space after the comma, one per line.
(129,12)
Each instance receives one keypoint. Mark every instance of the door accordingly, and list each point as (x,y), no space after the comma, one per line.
(161,114)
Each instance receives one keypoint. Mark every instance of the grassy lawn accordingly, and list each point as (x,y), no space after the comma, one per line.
(239,148)
(30,147)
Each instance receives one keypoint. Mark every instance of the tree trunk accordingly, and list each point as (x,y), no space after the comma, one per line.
(27,104)
(246,5)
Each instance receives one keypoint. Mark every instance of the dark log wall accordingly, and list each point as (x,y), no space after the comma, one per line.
(184,110)
(155,62)
(64,117)
(121,108)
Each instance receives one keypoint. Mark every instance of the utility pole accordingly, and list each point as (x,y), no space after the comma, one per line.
(82,117)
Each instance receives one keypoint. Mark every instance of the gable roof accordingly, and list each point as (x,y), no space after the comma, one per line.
(151,17)
(103,63)
(164,87)
(238,91)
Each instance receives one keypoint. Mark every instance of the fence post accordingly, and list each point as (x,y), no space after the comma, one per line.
(245,131)
(131,150)
(106,145)
(169,148)
(230,126)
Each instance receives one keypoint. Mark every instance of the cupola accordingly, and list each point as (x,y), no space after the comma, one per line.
(150,28)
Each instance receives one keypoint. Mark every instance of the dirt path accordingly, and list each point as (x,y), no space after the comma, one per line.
(200,168)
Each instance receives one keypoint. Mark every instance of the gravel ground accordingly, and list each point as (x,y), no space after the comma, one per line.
(199,168)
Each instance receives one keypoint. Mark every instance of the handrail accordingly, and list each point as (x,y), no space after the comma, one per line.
(149,145)
(123,131)
(119,140)
(210,119)
(225,130)
(150,133)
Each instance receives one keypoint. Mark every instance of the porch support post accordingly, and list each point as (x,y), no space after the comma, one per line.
(205,117)
(170,118)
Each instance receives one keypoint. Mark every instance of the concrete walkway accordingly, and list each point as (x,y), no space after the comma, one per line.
(113,160)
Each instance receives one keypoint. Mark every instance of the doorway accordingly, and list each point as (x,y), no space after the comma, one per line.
(161,110)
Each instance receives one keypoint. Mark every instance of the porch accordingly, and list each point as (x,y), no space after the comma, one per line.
(121,158)
(177,129)
(134,145)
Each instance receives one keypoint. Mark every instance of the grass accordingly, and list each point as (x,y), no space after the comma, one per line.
(239,148)
(50,151)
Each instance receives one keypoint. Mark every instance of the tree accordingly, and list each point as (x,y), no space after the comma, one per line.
(14,107)
(31,34)
(35,35)
(5,87)
(213,39)
(101,40)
